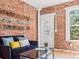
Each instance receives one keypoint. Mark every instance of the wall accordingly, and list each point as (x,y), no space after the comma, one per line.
(60,19)
(21,11)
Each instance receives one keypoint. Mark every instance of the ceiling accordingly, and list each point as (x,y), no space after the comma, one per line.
(44,3)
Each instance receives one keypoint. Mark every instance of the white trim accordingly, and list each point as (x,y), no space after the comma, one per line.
(72,7)
(67,26)
(39,26)
(68,9)
(68,51)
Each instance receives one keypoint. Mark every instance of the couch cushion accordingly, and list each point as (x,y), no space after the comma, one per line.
(7,40)
(29,47)
(21,38)
(22,49)
(14,45)
(16,38)
(24,42)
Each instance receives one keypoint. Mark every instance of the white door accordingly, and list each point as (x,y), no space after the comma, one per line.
(46,30)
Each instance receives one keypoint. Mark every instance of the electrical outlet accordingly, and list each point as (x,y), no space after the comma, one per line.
(70,45)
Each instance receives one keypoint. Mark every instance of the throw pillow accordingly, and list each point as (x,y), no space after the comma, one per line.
(7,40)
(24,42)
(14,45)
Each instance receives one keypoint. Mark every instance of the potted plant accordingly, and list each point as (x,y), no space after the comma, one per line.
(45,44)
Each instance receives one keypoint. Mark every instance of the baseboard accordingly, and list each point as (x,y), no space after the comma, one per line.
(77,52)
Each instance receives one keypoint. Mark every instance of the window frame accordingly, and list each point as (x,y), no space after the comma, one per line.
(68,25)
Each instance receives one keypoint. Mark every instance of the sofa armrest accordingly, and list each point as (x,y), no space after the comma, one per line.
(5,52)
(35,43)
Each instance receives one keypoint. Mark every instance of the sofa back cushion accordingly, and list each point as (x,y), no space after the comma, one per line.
(7,40)
(24,42)
(21,38)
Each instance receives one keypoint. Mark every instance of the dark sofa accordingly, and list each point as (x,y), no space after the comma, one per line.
(7,53)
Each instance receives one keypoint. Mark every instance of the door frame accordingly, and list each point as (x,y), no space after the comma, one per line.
(39,29)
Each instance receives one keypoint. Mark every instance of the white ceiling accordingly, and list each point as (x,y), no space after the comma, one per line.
(44,3)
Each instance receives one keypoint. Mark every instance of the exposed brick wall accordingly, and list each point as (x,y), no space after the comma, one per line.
(60,19)
(23,9)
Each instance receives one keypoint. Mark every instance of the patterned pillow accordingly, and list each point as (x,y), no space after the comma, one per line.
(24,42)
(7,40)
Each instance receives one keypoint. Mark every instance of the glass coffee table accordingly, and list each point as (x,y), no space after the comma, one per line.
(38,53)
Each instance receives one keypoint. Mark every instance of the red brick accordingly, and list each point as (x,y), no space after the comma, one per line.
(20,8)
(60,41)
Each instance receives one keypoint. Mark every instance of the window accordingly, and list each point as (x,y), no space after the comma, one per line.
(72,23)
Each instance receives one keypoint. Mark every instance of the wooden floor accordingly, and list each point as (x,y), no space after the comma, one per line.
(61,54)
(64,53)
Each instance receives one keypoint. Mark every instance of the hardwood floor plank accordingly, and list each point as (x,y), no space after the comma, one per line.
(64,53)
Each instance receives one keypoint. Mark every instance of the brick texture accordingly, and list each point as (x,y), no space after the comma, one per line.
(23,9)
(60,19)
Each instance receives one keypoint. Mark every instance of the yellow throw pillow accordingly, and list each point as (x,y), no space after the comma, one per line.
(14,45)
